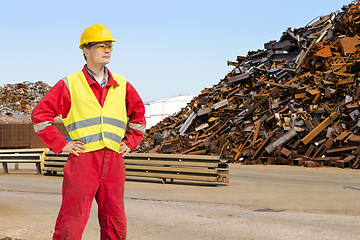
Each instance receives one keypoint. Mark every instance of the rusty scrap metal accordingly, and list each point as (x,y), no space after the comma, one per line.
(294,102)
(18,100)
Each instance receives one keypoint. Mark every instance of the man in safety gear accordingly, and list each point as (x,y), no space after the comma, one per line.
(104,117)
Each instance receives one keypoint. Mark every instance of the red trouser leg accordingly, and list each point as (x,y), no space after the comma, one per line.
(110,199)
(84,177)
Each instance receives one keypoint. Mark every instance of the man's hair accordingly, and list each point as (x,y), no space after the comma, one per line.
(86,46)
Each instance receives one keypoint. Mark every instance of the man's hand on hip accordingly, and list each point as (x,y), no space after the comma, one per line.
(124,149)
(74,146)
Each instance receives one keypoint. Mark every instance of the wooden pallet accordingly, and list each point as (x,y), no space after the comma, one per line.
(163,166)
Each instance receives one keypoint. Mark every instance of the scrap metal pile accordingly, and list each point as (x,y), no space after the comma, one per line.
(18,100)
(295,102)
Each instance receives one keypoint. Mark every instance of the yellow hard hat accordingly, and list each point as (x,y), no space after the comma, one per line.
(95,33)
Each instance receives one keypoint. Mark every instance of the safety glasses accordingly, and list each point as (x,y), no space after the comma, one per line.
(102,46)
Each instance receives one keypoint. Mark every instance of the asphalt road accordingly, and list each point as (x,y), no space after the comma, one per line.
(260,202)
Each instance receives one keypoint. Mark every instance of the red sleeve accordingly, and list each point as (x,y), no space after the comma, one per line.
(136,118)
(56,102)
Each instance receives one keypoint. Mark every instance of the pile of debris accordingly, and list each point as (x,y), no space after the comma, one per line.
(295,102)
(18,100)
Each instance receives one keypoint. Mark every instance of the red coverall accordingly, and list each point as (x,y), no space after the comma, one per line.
(99,174)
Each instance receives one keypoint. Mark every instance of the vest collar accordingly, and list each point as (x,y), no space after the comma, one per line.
(91,81)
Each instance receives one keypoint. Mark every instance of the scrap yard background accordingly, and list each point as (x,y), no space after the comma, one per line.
(295,102)
(261,146)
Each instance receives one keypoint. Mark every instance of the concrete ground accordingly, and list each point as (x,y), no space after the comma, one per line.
(260,202)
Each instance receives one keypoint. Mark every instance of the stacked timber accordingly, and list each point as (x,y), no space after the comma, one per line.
(21,156)
(295,102)
(52,163)
(176,166)
(162,166)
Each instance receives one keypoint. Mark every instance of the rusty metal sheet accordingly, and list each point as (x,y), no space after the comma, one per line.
(14,136)
(324,52)
(349,44)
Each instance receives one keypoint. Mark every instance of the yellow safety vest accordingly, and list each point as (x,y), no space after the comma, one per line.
(87,121)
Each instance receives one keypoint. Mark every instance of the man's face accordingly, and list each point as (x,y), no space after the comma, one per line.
(98,54)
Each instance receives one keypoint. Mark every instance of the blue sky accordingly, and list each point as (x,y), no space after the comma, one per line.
(163,48)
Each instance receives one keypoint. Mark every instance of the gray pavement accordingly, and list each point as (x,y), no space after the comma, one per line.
(260,202)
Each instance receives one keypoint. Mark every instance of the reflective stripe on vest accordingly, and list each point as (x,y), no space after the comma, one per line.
(87,121)
(95,121)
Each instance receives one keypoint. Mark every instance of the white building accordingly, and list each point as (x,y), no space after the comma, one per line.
(158,110)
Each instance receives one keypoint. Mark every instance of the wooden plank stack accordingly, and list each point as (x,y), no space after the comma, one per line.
(54,163)
(21,156)
(163,166)
(176,166)
(295,102)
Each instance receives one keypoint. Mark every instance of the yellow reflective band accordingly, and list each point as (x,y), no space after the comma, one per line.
(82,124)
(112,136)
(91,138)
(98,137)
(95,121)
(115,122)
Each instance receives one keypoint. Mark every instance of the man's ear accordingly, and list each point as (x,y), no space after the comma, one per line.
(85,53)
